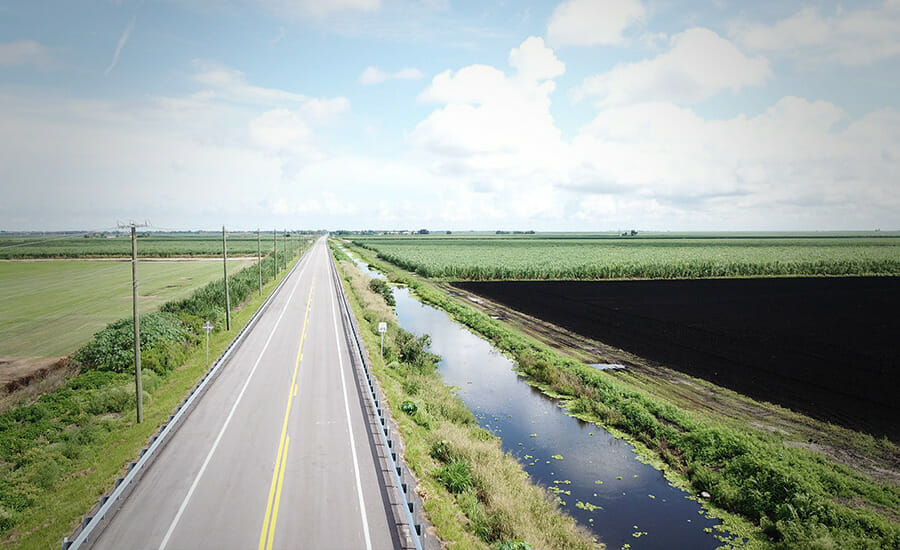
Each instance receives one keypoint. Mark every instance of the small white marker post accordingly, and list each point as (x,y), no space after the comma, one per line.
(382,328)
(207,326)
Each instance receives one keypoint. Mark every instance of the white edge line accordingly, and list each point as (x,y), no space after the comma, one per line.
(190,493)
(359,494)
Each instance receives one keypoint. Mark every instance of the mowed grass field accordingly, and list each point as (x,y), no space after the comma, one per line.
(50,308)
(592,257)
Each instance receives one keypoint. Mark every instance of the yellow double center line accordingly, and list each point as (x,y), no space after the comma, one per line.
(268,529)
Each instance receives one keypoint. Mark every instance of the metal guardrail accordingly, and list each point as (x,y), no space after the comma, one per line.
(92,523)
(416,532)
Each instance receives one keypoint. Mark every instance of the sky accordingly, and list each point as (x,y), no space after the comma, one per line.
(581,115)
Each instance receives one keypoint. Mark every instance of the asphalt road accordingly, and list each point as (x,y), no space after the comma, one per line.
(278,452)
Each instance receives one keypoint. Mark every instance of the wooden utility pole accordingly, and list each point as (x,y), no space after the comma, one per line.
(275,250)
(138,387)
(259,259)
(225,268)
(284,248)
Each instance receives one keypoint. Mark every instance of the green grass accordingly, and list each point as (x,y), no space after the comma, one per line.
(778,495)
(50,308)
(586,257)
(164,245)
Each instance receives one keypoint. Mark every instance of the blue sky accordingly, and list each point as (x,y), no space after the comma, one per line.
(581,115)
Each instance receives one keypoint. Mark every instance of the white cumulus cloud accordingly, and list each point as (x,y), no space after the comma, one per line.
(847,37)
(534,62)
(698,65)
(591,22)
(494,131)
(791,162)
(647,159)
(283,130)
(489,112)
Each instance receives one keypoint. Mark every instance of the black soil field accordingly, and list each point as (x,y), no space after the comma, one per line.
(827,347)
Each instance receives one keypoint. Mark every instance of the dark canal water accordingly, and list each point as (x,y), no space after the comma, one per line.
(597,477)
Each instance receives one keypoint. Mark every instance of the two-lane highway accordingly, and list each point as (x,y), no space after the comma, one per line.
(278,452)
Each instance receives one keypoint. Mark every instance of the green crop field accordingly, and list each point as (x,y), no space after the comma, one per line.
(587,257)
(157,245)
(50,308)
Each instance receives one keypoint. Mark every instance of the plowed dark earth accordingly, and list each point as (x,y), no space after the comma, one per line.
(827,347)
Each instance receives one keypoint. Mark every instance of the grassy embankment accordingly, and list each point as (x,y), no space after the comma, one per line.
(52,308)
(474,494)
(775,494)
(59,454)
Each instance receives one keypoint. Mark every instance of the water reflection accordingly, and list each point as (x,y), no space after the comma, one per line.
(363,266)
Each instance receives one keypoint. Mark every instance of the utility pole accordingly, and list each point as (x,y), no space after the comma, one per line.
(138,388)
(259,259)
(291,240)
(225,268)
(284,248)
(275,250)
